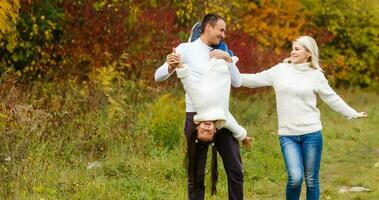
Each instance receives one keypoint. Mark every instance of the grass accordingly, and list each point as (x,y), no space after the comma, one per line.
(136,134)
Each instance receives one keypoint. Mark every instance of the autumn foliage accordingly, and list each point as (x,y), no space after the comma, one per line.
(57,39)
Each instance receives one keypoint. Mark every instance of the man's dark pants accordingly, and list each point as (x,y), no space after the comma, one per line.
(229,150)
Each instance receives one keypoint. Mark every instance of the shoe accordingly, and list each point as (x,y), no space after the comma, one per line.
(195,32)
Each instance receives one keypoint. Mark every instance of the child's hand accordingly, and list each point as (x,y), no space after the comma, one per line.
(247,142)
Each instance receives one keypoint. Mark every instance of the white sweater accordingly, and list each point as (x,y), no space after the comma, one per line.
(296,86)
(196,55)
(210,96)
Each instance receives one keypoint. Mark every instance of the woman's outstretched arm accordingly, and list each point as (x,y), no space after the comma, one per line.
(261,79)
(334,101)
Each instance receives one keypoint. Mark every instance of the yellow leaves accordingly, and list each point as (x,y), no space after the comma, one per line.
(105,77)
(8,19)
(186,11)
(115,104)
(35,29)
(3,116)
(190,11)
(52,24)
(100,4)
(12,42)
(48,35)
(124,62)
(14,57)
(134,10)
(8,15)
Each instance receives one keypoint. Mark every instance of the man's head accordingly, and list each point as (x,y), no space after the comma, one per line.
(213,29)
(205,131)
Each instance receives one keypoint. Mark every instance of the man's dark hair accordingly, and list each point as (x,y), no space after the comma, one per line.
(211,19)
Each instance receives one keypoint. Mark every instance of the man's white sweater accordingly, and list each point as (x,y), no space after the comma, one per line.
(210,95)
(296,86)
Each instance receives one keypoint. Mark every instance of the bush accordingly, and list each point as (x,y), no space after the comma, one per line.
(161,123)
(33,49)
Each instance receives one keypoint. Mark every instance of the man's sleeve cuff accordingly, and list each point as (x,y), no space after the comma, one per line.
(182,72)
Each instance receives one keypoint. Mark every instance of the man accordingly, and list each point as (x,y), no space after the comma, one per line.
(196,55)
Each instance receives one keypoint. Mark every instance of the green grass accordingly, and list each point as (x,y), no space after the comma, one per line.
(139,141)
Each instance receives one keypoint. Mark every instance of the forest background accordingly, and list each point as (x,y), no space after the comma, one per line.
(77,90)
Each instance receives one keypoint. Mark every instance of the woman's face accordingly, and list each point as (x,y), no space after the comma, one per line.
(206,131)
(299,54)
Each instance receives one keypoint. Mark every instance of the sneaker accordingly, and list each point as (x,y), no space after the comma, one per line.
(195,32)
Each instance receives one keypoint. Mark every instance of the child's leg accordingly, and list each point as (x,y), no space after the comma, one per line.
(195,32)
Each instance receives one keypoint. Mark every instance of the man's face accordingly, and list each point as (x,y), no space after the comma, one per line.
(216,33)
(206,131)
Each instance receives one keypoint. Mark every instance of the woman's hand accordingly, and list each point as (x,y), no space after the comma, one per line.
(361,115)
(247,142)
(219,54)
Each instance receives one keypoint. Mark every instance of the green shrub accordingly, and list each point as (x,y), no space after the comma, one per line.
(162,121)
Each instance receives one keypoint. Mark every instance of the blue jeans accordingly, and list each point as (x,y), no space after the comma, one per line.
(302,156)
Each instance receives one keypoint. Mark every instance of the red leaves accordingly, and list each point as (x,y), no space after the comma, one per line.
(92,32)
(252,57)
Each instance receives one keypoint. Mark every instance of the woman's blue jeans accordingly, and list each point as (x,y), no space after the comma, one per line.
(302,156)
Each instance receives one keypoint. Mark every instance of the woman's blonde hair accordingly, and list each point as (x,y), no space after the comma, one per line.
(309,45)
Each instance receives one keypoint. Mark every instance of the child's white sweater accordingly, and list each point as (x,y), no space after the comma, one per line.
(210,95)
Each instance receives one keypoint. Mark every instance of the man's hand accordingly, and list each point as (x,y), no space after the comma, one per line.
(219,54)
(174,60)
(247,142)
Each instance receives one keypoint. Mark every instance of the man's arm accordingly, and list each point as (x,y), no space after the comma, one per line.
(163,72)
(168,68)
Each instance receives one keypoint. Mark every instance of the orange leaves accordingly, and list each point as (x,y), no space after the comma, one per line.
(274,22)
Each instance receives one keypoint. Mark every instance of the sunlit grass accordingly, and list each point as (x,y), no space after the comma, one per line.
(137,164)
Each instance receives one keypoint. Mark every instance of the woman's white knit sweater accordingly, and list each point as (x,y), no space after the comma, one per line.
(296,86)
(210,96)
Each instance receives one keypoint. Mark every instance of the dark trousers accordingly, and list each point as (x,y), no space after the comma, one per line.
(229,150)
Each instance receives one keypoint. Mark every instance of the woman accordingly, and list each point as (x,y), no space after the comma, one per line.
(296,83)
